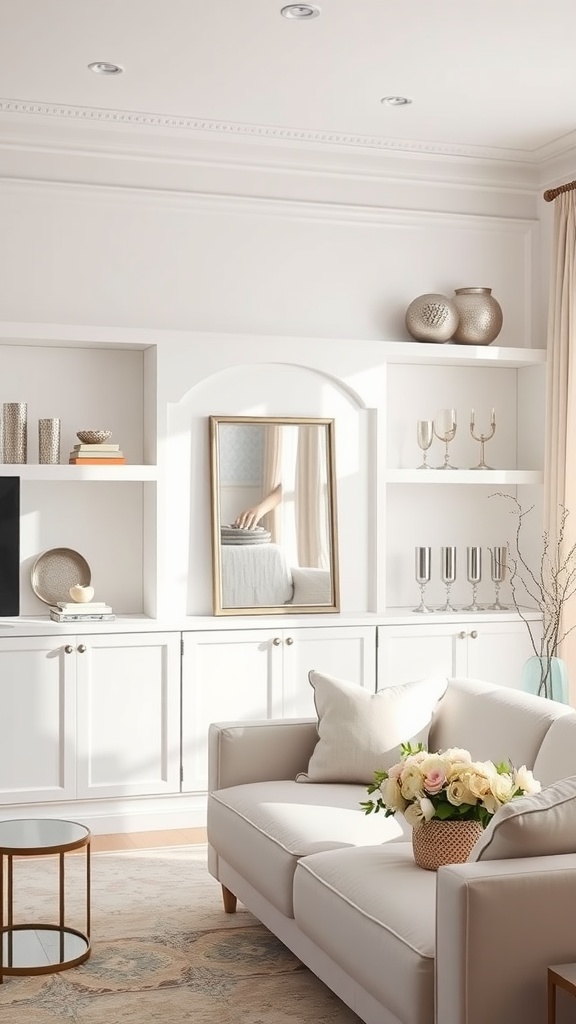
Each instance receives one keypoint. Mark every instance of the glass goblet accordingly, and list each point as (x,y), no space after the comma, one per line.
(473,575)
(498,558)
(445,430)
(423,574)
(448,574)
(424,436)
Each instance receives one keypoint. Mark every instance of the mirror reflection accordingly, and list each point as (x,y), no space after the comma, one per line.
(273,515)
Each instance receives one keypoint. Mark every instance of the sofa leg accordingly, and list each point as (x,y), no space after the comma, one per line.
(229,900)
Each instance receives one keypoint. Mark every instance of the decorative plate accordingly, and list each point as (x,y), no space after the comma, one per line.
(55,571)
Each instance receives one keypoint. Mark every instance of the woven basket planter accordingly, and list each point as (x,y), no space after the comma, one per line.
(444,842)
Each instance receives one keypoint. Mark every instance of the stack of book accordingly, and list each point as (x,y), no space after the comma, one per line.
(88,611)
(97,455)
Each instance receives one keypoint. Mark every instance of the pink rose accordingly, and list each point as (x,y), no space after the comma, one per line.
(434,781)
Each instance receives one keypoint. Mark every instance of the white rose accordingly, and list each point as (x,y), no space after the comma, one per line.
(458,793)
(477,781)
(502,788)
(392,796)
(411,782)
(427,808)
(433,762)
(526,781)
(413,814)
(454,754)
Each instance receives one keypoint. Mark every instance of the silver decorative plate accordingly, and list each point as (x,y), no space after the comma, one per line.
(55,571)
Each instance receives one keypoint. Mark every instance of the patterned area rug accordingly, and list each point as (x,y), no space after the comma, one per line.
(163,950)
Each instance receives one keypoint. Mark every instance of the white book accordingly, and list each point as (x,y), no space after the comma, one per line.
(83,453)
(96,447)
(87,608)
(57,616)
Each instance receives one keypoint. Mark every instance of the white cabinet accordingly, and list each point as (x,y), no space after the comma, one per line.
(37,720)
(261,673)
(493,651)
(89,716)
(128,713)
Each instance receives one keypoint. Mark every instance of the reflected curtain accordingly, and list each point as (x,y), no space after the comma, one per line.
(312,498)
(271,477)
(560,463)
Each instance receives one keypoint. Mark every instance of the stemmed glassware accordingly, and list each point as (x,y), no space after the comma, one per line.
(424,436)
(498,558)
(483,437)
(473,575)
(448,574)
(422,573)
(445,430)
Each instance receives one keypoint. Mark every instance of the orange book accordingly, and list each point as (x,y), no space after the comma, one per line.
(97,462)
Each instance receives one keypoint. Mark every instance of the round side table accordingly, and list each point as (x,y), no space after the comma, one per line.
(31,948)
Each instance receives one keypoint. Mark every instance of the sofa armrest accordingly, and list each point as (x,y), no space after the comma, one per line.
(499,924)
(260,751)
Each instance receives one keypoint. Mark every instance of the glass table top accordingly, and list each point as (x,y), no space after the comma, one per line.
(40,834)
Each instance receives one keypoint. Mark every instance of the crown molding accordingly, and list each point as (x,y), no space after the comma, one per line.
(193,126)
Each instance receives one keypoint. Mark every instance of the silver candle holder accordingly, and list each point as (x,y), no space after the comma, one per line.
(422,571)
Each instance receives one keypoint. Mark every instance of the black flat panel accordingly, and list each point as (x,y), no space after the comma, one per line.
(10,545)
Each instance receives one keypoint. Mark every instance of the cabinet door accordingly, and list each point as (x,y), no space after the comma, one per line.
(345,652)
(416,652)
(37,719)
(128,714)
(498,652)
(227,675)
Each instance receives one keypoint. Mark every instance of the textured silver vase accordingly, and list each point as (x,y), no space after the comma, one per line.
(49,441)
(14,432)
(432,317)
(479,316)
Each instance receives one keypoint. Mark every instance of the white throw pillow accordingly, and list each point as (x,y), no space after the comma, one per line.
(532,826)
(360,732)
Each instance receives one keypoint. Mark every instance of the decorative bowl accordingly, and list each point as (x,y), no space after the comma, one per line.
(93,436)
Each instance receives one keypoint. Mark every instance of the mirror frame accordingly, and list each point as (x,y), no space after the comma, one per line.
(283,609)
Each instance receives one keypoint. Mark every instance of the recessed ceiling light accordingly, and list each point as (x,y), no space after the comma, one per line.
(301,11)
(102,67)
(396,101)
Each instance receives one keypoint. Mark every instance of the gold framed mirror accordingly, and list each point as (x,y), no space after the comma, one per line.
(274,522)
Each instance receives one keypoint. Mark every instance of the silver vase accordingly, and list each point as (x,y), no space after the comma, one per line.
(15,432)
(49,441)
(479,316)
(431,317)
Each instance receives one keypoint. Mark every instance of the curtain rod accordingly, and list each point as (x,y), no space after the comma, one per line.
(553,193)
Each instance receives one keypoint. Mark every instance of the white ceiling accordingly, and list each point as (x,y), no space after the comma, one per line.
(496,77)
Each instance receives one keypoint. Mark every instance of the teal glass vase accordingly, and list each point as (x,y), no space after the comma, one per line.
(546,677)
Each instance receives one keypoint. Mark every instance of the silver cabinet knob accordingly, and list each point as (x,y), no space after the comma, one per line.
(289,640)
(474,634)
(462,635)
(81,648)
(276,641)
(68,648)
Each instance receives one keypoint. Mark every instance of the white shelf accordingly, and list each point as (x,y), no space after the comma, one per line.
(428,354)
(488,477)
(74,474)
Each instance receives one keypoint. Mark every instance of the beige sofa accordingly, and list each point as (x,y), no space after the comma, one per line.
(466,945)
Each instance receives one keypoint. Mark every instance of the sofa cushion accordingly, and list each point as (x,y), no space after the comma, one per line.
(556,758)
(261,829)
(540,825)
(360,732)
(373,912)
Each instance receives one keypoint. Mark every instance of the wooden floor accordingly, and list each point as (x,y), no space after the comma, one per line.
(148,840)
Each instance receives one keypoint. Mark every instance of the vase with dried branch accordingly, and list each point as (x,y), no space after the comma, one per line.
(549,586)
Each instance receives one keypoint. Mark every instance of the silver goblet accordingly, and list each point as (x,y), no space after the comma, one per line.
(498,557)
(448,574)
(473,575)
(424,436)
(445,430)
(422,573)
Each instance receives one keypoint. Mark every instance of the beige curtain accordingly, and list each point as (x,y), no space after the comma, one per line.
(560,463)
(271,477)
(311,498)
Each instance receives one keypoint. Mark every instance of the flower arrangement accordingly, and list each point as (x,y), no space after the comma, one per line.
(448,785)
